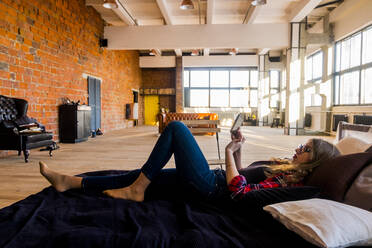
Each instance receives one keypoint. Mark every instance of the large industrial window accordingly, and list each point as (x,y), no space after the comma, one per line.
(353,69)
(314,68)
(274,76)
(220,87)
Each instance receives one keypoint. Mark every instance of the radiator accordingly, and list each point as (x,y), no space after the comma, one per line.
(363,119)
(308,119)
(337,119)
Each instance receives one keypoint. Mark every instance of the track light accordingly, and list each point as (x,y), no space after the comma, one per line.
(110,4)
(258,2)
(233,51)
(153,52)
(195,52)
(186,4)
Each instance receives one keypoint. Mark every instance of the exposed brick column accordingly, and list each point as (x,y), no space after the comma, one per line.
(179,88)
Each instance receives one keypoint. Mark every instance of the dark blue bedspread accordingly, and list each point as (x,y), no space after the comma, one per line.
(77,219)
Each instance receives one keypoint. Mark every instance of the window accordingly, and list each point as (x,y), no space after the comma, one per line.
(367,86)
(186,79)
(274,88)
(199,78)
(219,98)
(353,69)
(367,45)
(238,98)
(220,79)
(199,98)
(314,67)
(274,79)
(220,87)
(239,79)
(254,98)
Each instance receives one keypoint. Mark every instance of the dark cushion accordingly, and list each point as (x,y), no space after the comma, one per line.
(263,197)
(369,149)
(335,176)
(38,137)
(253,173)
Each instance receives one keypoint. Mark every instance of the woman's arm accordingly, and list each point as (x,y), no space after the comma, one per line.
(231,170)
(231,165)
(237,135)
(238,159)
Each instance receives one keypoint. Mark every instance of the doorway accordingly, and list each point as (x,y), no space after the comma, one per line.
(94,101)
(151,109)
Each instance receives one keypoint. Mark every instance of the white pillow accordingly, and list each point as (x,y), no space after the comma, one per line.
(325,223)
(349,145)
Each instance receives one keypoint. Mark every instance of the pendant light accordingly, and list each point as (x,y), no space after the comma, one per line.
(186,4)
(258,2)
(110,4)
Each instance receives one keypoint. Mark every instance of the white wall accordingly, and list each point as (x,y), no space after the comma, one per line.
(351,16)
(220,61)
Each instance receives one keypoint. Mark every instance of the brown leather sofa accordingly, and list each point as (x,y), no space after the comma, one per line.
(165,118)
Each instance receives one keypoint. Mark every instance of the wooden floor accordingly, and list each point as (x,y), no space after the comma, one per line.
(128,149)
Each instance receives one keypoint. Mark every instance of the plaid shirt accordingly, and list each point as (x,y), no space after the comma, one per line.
(239,186)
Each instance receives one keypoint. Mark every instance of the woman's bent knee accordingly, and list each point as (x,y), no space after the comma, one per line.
(176,125)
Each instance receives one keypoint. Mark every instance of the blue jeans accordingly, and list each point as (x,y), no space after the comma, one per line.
(192,170)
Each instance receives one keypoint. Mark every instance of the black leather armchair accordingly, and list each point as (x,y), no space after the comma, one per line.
(14,124)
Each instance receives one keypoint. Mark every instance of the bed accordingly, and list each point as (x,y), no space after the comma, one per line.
(76,219)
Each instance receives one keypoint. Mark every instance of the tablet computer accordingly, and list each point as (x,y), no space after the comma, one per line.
(237,123)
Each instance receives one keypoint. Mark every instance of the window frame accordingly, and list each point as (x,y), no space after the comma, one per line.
(278,93)
(314,80)
(336,76)
(186,90)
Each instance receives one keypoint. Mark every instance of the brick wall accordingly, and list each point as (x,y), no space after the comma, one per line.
(46,46)
(161,78)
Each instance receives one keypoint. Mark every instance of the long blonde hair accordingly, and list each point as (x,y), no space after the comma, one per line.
(321,151)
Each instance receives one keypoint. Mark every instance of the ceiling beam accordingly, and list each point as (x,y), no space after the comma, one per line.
(178,52)
(120,12)
(263,51)
(164,11)
(206,51)
(252,14)
(124,14)
(168,19)
(302,9)
(210,11)
(244,36)
(157,52)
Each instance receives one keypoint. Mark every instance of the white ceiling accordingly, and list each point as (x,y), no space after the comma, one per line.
(168,12)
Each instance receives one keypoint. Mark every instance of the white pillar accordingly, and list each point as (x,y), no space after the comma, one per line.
(295,108)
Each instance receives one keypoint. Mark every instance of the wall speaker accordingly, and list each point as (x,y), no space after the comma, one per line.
(103,42)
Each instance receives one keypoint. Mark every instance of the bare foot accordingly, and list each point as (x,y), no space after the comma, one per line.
(127,193)
(59,181)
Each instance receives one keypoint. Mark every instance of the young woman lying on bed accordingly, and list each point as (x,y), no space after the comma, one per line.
(192,170)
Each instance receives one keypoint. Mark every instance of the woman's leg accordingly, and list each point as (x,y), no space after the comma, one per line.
(192,167)
(59,181)
(63,182)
